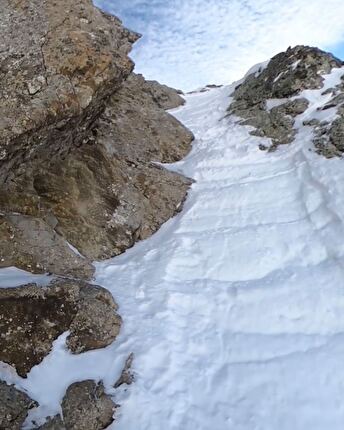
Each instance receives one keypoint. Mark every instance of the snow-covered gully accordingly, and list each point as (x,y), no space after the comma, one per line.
(234,309)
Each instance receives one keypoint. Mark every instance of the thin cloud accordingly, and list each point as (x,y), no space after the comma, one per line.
(190,43)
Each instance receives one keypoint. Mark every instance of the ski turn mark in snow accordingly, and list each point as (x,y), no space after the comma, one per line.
(234,309)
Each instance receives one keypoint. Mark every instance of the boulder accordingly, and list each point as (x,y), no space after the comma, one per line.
(14,407)
(165,97)
(32,317)
(86,406)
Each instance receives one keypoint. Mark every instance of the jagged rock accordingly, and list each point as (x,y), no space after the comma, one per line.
(336,133)
(59,63)
(14,407)
(164,96)
(285,76)
(103,203)
(55,423)
(127,377)
(32,317)
(106,194)
(86,406)
(134,128)
(329,135)
(88,176)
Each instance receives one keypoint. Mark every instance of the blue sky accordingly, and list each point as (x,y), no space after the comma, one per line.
(338,50)
(191,43)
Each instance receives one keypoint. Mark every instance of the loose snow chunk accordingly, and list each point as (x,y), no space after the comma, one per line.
(13,277)
(257,69)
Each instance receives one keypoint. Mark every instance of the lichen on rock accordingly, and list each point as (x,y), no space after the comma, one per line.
(32,317)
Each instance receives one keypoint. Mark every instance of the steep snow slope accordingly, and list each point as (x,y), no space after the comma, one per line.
(234,309)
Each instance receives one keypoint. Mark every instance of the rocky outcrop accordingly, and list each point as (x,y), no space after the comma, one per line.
(86,406)
(329,134)
(60,61)
(134,129)
(32,317)
(14,407)
(82,139)
(54,423)
(78,141)
(266,98)
(164,96)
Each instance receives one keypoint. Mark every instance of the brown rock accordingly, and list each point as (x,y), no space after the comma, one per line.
(86,407)
(59,63)
(106,194)
(164,96)
(14,407)
(70,171)
(135,127)
(96,323)
(32,317)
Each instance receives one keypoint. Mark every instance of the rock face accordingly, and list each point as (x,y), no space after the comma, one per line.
(77,140)
(14,407)
(55,80)
(87,407)
(32,317)
(166,97)
(329,135)
(81,139)
(265,98)
(134,129)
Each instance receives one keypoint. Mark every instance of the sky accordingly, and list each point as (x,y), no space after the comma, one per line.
(188,44)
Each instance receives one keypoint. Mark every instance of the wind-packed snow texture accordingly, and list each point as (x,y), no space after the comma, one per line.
(235,308)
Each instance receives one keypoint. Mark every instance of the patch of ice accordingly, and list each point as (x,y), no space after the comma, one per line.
(13,277)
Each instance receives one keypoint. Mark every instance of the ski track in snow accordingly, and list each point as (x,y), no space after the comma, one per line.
(235,308)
